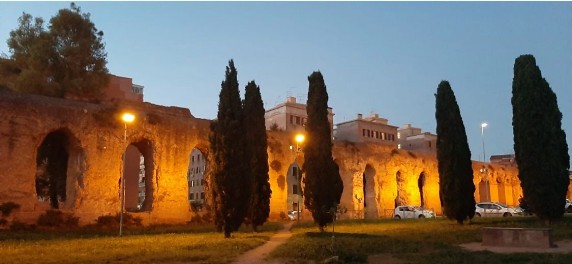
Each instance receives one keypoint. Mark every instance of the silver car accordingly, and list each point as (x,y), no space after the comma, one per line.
(492,209)
(406,211)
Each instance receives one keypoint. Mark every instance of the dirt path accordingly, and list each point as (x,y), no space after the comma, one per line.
(258,255)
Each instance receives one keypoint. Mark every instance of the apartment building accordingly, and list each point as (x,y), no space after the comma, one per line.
(291,116)
(412,138)
(372,129)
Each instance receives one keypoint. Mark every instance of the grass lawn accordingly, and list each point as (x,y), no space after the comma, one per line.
(159,244)
(432,241)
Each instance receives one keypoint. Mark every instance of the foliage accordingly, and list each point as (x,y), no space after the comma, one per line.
(256,156)
(456,187)
(68,60)
(229,184)
(112,221)
(7,208)
(56,218)
(323,184)
(52,162)
(541,151)
(411,241)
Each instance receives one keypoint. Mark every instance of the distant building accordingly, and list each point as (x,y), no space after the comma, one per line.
(122,88)
(291,116)
(411,138)
(506,159)
(372,129)
(195,176)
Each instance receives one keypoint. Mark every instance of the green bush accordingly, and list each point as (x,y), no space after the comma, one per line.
(55,218)
(112,221)
(7,208)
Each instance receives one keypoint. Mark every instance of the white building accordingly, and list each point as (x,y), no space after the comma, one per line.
(411,138)
(195,176)
(291,116)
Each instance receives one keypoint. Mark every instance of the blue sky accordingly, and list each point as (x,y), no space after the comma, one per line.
(382,57)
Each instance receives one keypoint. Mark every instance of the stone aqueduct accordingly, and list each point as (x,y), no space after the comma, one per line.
(94,140)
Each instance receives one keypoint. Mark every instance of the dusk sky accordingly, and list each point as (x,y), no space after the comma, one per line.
(376,57)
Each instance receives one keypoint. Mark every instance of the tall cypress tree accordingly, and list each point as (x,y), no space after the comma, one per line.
(456,187)
(540,146)
(323,184)
(256,155)
(229,186)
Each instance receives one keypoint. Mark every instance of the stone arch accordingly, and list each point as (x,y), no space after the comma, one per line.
(196,175)
(421,185)
(60,165)
(138,169)
(370,203)
(401,196)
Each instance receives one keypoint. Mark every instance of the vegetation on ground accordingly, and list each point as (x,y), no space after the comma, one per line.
(256,156)
(323,184)
(456,187)
(541,151)
(412,241)
(154,244)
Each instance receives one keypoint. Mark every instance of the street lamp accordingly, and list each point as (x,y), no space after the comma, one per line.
(484,169)
(299,140)
(127,118)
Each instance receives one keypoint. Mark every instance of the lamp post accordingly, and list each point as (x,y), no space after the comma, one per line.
(127,118)
(299,140)
(484,169)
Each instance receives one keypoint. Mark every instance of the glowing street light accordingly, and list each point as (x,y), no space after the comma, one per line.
(299,138)
(484,169)
(127,119)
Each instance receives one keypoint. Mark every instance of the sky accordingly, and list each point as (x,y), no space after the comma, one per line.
(376,57)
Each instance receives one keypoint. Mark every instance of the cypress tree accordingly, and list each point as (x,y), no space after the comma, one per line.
(323,185)
(229,186)
(256,155)
(456,187)
(540,146)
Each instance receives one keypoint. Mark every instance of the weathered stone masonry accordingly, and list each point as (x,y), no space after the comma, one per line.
(167,135)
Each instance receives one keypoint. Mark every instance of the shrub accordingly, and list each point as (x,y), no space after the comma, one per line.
(19,226)
(7,208)
(55,218)
(110,221)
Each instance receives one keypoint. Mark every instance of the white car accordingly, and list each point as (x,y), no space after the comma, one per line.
(568,206)
(492,209)
(406,211)
(293,215)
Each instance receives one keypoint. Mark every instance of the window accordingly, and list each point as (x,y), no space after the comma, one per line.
(398,146)
(383,136)
(295,189)
(298,121)
(202,195)
(191,196)
(192,159)
(294,171)
(363,132)
(291,119)
(398,135)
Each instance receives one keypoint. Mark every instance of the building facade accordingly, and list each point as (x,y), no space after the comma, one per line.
(372,129)
(122,88)
(291,116)
(412,138)
(195,178)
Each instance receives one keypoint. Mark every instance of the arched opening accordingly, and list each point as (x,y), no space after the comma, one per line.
(369,194)
(138,169)
(421,185)
(195,179)
(52,168)
(501,191)
(400,198)
(295,198)
(483,191)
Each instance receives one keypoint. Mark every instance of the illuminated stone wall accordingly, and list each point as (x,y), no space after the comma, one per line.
(166,137)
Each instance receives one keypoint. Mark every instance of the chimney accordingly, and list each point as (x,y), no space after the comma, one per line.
(359,116)
(291,99)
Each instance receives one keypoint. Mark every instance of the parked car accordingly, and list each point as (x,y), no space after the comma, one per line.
(492,209)
(568,206)
(293,215)
(407,211)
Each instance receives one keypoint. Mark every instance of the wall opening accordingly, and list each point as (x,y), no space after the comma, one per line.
(295,199)
(196,179)
(483,191)
(421,185)
(138,169)
(370,204)
(400,198)
(52,168)
(501,191)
